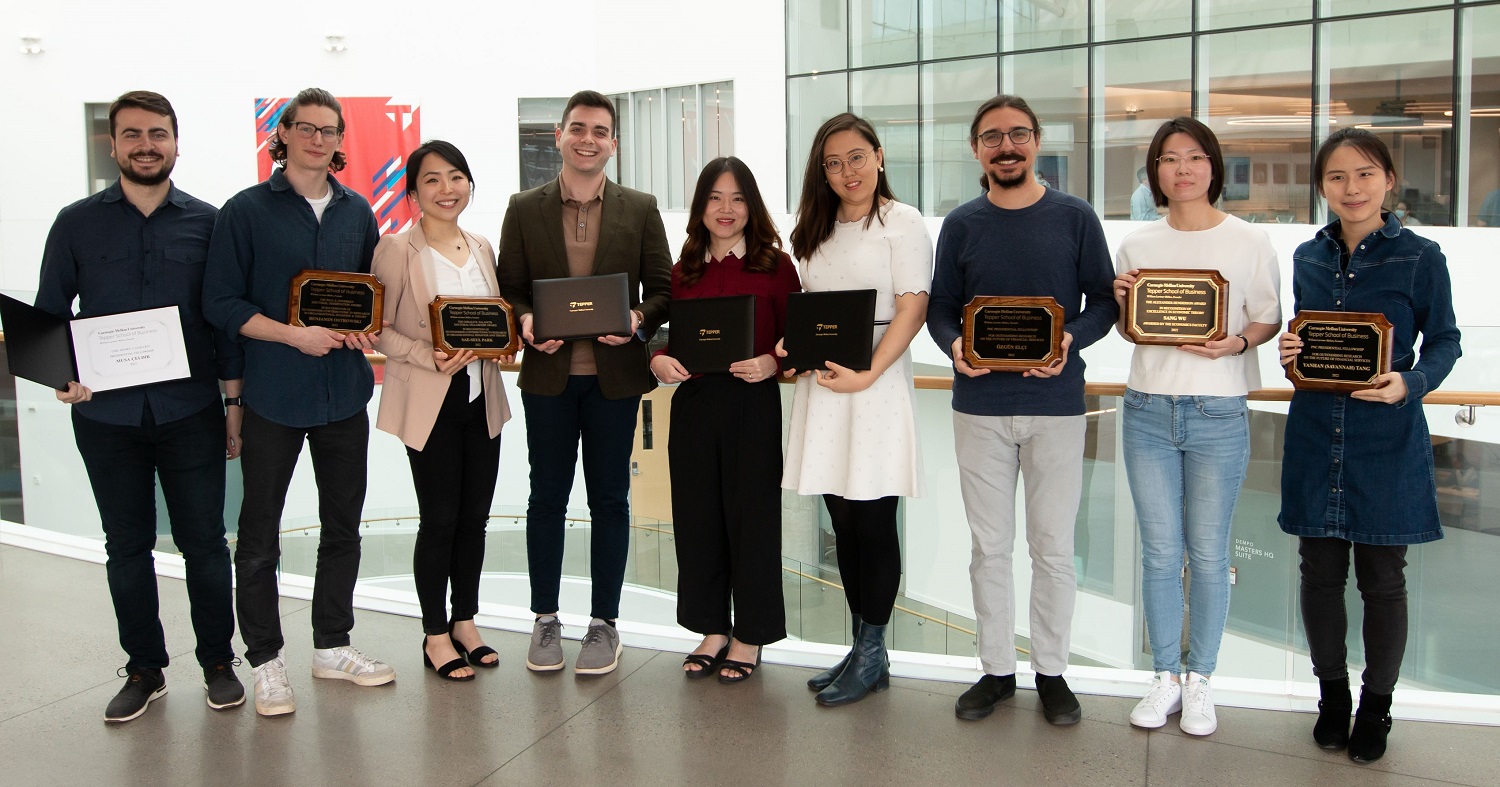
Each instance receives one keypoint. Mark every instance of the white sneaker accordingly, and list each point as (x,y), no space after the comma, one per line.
(1198,716)
(1163,698)
(346,663)
(273,693)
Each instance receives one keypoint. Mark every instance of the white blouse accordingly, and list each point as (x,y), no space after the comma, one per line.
(467,282)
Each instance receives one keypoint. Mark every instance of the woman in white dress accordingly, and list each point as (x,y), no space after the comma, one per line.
(853,436)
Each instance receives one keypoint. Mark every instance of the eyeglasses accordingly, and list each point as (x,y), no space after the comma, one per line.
(855,161)
(306,131)
(1172,161)
(994,137)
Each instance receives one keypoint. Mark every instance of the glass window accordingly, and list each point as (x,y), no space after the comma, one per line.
(1219,14)
(1259,104)
(1056,85)
(1118,19)
(815,38)
(1145,83)
(882,32)
(1482,28)
(649,147)
(887,98)
(955,28)
(950,93)
(102,167)
(718,120)
(622,166)
(809,102)
(1035,24)
(683,159)
(1394,76)
(538,122)
(1346,7)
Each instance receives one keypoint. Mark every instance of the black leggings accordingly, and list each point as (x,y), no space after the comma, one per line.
(1379,572)
(869,554)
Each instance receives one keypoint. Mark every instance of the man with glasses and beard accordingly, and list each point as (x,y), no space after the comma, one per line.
(141,244)
(302,385)
(1020,239)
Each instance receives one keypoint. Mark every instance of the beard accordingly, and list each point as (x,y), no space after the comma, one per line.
(1021,178)
(164,171)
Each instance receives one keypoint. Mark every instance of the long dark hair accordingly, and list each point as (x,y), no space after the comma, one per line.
(762,243)
(1370,146)
(1207,142)
(819,206)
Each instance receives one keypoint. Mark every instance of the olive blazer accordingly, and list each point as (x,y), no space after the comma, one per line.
(414,389)
(632,240)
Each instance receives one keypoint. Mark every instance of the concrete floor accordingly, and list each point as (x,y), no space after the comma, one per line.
(644,724)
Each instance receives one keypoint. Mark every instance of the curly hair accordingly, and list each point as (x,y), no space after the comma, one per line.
(311,97)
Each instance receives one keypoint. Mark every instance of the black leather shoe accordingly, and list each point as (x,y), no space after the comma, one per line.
(141,687)
(869,670)
(821,680)
(222,686)
(1372,723)
(1059,706)
(981,698)
(1332,730)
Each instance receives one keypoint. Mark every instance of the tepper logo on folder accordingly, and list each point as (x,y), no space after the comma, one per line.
(831,325)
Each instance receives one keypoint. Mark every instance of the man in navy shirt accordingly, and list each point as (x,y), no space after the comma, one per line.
(1020,239)
(141,244)
(302,384)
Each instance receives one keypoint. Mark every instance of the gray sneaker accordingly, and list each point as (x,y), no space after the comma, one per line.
(601,650)
(545,653)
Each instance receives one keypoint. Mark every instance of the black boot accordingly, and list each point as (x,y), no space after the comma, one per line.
(821,680)
(1372,722)
(869,670)
(1332,730)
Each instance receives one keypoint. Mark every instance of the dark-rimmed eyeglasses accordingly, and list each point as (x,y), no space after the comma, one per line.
(995,137)
(306,131)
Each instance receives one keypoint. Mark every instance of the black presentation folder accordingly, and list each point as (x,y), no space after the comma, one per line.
(39,345)
(709,334)
(580,307)
(832,325)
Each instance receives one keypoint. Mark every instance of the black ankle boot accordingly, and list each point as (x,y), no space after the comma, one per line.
(1372,723)
(1332,730)
(821,680)
(869,670)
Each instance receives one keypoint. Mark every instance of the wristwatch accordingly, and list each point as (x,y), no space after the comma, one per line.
(1242,338)
(234,401)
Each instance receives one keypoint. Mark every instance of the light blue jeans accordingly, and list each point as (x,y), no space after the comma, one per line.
(1186,458)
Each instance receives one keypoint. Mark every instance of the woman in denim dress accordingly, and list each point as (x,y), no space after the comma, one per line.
(1357,475)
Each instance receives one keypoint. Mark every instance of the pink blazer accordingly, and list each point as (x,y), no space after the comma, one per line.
(414,389)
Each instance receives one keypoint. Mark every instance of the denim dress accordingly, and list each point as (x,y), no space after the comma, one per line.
(1356,470)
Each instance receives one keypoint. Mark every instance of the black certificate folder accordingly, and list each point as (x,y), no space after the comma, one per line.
(580,307)
(709,334)
(39,345)
(833,325)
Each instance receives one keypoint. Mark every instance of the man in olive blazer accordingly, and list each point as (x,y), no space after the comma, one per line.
(587,390)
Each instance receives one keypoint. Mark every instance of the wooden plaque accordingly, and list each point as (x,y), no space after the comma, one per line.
(1175,306)
(339,301)
(1012,334)
(483,326)
(1341,351)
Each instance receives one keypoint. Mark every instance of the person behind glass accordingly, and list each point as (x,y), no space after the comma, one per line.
(1020,239)
(1405,216)
(1186,418)
(303,384)
(587,391)
(140,244)
(1357,473)
(725,445)
(853,434)
(448,410)
(1143,200)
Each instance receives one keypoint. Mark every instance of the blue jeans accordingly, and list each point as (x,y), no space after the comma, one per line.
(554,427)
(1186,458)
(123,463)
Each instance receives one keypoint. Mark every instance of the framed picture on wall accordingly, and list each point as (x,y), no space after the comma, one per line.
(1258,173)
(1304,174)
(1236,178)
(1279,174)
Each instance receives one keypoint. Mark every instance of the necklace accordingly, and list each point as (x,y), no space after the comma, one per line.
(456,246)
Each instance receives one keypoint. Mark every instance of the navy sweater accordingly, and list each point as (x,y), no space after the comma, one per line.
(1055,247)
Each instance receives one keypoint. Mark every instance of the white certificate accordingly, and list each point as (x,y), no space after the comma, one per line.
(135,348)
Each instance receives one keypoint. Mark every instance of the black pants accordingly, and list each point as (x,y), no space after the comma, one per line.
(123,463)
(725,459)
(1379,572)
(869,554)
(454,475)
(339,457)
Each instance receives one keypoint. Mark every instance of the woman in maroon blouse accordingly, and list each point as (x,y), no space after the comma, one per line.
(725,444)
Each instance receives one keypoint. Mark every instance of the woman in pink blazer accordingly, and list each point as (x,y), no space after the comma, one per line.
(447,410)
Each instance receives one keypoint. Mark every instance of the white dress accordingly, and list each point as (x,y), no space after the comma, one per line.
(863,446)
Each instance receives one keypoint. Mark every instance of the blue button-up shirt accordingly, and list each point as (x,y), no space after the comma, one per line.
(112,258)
(265,235)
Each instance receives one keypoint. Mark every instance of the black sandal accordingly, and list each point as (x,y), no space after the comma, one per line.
(446,671)
(707,664)
(743,671)
(475,656)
